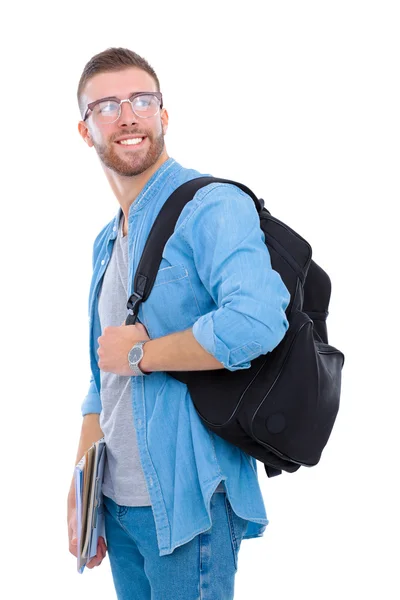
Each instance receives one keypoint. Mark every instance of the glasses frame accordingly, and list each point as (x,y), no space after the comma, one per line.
(130,100)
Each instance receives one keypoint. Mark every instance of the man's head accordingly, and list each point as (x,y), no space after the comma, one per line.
(119,73)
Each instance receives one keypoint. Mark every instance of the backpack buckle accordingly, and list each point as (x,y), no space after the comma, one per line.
(133,303)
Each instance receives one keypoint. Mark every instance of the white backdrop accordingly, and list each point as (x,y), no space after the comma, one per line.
(322,149)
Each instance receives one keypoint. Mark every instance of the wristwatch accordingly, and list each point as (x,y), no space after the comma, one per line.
(135,355)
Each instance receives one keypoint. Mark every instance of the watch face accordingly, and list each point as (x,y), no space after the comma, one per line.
(135,354)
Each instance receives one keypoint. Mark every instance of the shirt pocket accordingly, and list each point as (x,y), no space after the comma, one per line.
(172,305)
(170,274)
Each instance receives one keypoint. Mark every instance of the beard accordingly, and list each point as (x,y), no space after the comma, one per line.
(133,163)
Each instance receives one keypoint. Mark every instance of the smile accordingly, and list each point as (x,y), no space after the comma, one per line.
(131,143)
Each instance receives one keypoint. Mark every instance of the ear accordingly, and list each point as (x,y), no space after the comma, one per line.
(164,120)
(84,133)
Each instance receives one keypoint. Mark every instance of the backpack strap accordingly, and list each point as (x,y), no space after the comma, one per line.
(317,293)
(162,229)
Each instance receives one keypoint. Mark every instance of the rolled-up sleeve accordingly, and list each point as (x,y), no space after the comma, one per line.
(234,265)
(91,402)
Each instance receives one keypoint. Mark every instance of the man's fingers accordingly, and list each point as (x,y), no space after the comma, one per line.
(73,541)
(92,563)
(101,552)
(102,547)
(138,326)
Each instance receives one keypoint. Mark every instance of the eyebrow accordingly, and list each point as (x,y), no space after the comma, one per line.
(130,94)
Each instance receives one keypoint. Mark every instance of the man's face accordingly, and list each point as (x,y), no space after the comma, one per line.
(125,160)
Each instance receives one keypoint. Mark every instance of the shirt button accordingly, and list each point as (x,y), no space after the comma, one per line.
(139,422)
(115,228)
(151,482)
(103,261)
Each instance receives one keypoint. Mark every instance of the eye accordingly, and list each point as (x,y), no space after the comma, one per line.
(145,103)
(106,108)
(142,102)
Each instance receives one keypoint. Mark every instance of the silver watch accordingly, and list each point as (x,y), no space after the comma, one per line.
(135,355)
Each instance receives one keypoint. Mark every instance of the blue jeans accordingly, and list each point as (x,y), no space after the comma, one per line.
(202,569)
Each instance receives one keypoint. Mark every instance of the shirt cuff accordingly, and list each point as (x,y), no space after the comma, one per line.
(91,404)
(233,360)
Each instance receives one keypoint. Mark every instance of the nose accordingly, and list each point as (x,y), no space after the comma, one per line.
(127,115)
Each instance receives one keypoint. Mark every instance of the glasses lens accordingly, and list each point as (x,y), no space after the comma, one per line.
(106,112)
(146,105)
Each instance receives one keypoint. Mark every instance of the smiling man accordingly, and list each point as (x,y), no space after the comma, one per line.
(178,499)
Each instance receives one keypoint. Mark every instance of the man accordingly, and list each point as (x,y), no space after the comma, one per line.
(178,499)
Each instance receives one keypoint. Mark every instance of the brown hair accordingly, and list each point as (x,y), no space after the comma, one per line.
(112,59)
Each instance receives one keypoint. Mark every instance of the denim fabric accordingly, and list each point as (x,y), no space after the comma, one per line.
(215,278)
(203,568)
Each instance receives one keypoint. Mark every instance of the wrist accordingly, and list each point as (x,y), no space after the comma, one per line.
(71,496)
(143,364)
(136,358)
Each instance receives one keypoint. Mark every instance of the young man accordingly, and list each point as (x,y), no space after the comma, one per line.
(178,499)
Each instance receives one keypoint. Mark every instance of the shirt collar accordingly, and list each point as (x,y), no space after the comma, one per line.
(143,196)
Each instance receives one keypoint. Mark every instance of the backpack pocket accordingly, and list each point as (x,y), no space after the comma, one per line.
(302,389)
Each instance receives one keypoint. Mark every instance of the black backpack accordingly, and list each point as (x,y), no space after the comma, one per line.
(282,409)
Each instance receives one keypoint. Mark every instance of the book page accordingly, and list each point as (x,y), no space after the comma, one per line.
(91,497)
(78,493)
(98,508)
(87,476)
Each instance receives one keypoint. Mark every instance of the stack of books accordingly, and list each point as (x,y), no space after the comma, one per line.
(89,502)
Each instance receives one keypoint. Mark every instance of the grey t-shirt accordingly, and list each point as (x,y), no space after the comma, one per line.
(124,479)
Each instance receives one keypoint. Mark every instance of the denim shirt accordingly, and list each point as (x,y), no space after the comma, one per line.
(215,278)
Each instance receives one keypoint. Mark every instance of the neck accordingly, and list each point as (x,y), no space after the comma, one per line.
(127,189)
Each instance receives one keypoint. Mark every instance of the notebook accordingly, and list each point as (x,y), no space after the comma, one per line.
(89,502)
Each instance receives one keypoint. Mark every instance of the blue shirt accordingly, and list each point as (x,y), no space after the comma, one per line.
(215,278)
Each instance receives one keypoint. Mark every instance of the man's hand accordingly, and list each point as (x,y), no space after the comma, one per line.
(95,561)
(115,344)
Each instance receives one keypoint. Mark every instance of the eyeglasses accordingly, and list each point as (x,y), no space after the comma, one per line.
(108,110)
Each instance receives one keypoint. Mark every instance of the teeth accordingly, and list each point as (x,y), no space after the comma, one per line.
(131,141)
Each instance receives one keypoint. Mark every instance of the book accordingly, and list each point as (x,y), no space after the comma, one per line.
(88,476)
